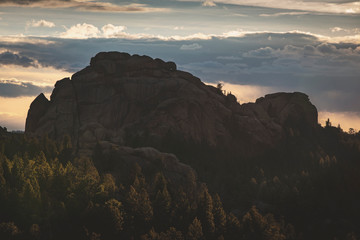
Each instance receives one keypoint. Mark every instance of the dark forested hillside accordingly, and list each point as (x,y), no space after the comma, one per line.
(48,194)
(310,182)
(310,190)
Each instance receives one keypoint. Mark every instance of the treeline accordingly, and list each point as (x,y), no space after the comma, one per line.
(46,193)
(307,188)
(312,180)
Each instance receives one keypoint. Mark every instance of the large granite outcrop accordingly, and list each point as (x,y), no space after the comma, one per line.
(139,101)
(178,175)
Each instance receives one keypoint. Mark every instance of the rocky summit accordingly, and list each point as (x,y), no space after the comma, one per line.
(132,100)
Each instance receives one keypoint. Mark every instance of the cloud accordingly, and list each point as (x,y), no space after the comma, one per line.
(10,58)
(15,88)
(284,14)
(179,28)
(264,52)
(193,46)
(334,7)
(291,61)
(338,29)
(86,31)
(110,31)
(332,52)
(229,58)
(40,23)
(324,63)
(21,39)
(209,3)
(82,5)
(327,72)
(345,39)
(109,7)
(81,31)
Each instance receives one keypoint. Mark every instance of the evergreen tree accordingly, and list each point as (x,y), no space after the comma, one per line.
(161,203)
(206,212)
(113,216)
(2,173)
(328,123)
(273,229)
(139,209)
(30,201)
(49,148)
(43,171)
(108,187)
(17,173)
(151,235)
(233,227)
(182,210)
(172,234)
(162,208)
(266,227)
(9,231)
(254,224)
(2,148)
(146,210)
(195,231)
(35,232)
(139,182)
(159,182)
(219,216)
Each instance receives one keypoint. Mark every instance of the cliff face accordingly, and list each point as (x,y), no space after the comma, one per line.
(139,101)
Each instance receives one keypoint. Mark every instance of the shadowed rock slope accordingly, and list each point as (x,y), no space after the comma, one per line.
(139,101)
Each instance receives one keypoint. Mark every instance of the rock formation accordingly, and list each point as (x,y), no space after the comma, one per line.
(139,101)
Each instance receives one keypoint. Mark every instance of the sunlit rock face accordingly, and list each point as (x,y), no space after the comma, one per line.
(139,101)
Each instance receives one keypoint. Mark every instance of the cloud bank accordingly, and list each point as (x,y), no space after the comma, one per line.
(193,46)
(10,58)
(326,6)
(323,6)
(292,61)
(15,88)
(83,5)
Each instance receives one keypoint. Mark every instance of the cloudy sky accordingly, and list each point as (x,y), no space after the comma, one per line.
(254,47)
